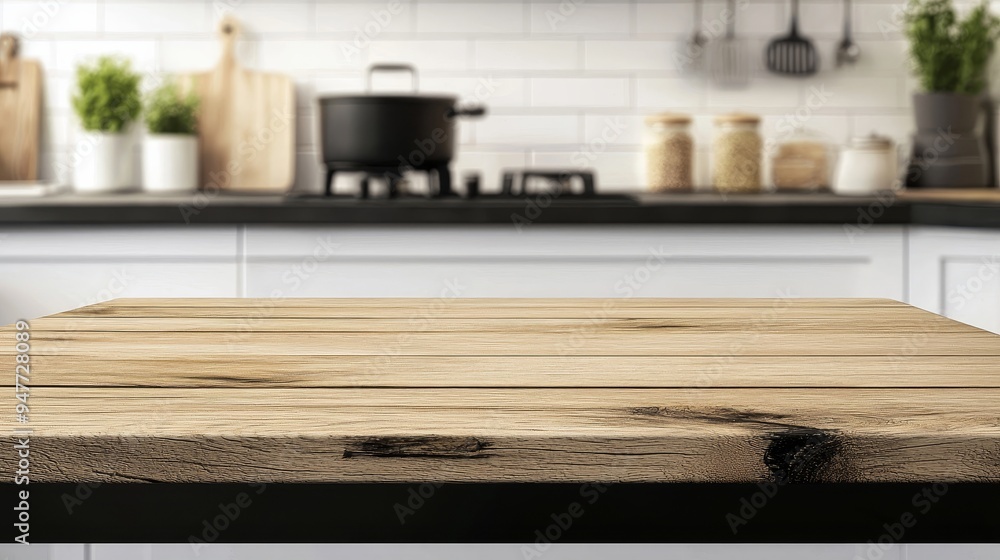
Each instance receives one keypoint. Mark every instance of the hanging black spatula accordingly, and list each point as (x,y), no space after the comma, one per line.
(792,54)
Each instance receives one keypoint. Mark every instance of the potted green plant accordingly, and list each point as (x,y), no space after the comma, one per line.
(170,151)
(950,56)
(107,101)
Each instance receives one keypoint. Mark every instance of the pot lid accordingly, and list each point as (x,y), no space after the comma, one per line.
(387,98)
(871,141)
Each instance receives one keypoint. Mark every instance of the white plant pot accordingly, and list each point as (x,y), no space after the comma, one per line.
(102,162)
(170,163)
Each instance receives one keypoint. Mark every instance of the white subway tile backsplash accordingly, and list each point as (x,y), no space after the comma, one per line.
(836,128)
(194,55)
(820,17)
(69,54)
(882,18)
(898,127)
(527,55)
(366,21)
(631,55)
(840,91)
(426,55)
(157,17)
(486,89)
(468,18)
(579,92)
(528,130)
(313,54)
(756,19)
(625,129)
(881,57)
(339,85)
(31,19)
(768,92)
(661,18)
(566,17)
(263,18)
(664,94)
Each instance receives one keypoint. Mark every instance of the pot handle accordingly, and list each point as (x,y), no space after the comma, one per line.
(390,67)
(470,111)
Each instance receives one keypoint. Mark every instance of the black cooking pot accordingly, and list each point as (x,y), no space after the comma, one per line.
(391,131)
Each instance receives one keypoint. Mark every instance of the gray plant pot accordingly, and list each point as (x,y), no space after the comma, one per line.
(951,147)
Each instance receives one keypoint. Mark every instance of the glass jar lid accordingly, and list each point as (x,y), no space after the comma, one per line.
(737,118)
(871,141)
(668,119)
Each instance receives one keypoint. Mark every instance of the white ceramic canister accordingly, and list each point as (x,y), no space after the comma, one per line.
(867,165)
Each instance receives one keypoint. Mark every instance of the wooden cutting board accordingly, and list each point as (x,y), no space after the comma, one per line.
(20,112)
(246,123)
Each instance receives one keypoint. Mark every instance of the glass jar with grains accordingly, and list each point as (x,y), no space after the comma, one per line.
(736,153)
(669,152)
(801,162)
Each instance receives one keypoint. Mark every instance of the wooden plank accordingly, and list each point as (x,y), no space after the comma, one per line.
(950,195)
(489,435)
(723,323)
(418,304)
(226,370)
(444,310)
(595,341)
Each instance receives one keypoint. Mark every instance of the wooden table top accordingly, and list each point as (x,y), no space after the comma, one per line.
(550,390)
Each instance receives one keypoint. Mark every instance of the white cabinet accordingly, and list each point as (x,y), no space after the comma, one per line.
(577,261)
(49,270)
(956,273)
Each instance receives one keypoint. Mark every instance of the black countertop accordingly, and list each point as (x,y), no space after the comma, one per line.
(696,208)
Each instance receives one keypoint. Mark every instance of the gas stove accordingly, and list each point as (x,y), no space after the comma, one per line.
(375,183)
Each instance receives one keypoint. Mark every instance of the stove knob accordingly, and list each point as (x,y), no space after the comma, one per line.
(471,185)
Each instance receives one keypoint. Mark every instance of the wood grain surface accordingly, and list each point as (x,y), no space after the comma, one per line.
(484,390)
(246,123)
(20,112)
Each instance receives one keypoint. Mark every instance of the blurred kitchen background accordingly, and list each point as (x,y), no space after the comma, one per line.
(558,78)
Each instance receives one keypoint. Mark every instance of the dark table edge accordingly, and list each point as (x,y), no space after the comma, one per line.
(513,513)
